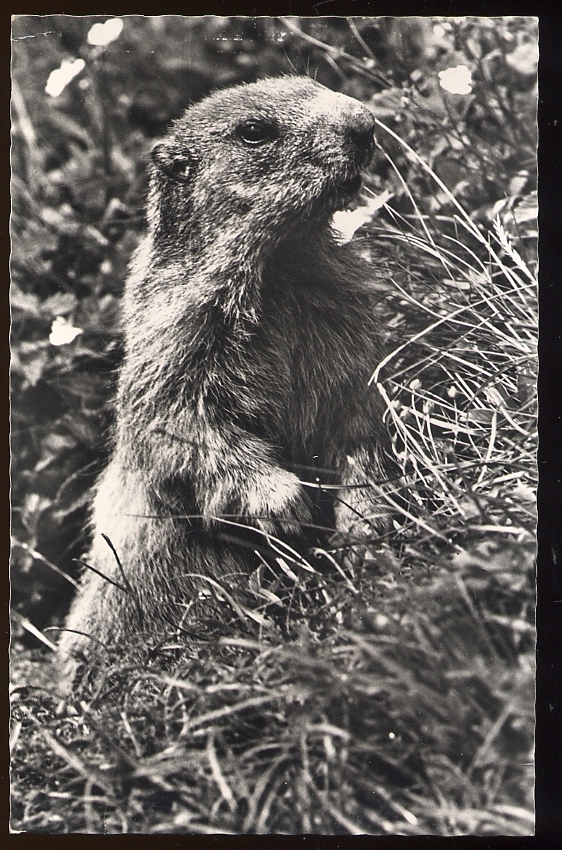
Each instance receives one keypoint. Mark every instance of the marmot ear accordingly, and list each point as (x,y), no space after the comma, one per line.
(176,166)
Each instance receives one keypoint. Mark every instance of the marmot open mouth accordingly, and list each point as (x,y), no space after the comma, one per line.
(346,190)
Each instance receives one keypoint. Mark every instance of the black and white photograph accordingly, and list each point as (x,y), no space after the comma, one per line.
(273,425)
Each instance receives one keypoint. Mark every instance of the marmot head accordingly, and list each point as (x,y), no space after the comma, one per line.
(265,158)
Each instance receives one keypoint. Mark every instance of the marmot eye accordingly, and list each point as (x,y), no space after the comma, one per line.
(256,132)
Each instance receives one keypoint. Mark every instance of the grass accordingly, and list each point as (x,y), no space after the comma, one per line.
(391,696)
(415,720)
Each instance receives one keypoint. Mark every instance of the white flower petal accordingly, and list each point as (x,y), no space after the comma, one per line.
(102,34)
(456,80)
(60,77)
(63,332)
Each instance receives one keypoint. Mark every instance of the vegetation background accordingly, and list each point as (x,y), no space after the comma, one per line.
(394,699)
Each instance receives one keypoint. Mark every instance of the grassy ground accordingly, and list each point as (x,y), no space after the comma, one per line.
(390,693)
(402,708)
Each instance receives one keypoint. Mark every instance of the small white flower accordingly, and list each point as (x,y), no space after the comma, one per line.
(456,80)
(102,34)
(60,77)
(63,332)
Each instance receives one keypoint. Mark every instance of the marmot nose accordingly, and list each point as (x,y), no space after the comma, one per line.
(360,132)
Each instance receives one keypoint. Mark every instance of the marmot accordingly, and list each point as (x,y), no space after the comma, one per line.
(250,337)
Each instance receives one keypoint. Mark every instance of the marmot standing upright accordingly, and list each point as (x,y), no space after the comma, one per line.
(251,334)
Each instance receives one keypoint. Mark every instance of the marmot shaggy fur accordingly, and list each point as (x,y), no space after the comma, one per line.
(251,334)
